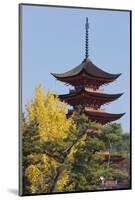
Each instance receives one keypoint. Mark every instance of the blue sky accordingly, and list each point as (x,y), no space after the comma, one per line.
(53,40)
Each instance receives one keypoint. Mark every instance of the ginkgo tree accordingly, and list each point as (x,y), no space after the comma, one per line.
(45,132)
(50,115)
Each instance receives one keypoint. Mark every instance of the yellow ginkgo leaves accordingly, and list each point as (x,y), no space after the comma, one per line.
(49,113)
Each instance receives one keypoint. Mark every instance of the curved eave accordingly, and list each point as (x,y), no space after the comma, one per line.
(64,78)
(117,158)
(90,69)
(101,117)
(106,115)
(91,94)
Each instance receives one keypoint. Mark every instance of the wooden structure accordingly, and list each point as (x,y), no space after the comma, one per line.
(87,79)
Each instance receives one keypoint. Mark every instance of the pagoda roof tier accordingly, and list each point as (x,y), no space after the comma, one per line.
(84,97)
(113,158)
(91,71)
(101,117)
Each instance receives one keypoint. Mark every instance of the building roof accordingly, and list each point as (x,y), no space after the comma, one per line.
(84,97)
(101,117)
(90,69)
(114,157)
(101,114)
(91,94)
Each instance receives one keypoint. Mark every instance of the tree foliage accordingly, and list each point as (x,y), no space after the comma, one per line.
(60,153)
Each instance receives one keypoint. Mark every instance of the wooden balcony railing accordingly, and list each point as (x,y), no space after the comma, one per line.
(92,90)
(95,110)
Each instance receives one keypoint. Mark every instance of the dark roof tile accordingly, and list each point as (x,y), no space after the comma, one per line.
(88,67)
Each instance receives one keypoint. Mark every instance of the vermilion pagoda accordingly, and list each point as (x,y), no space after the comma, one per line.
(87,79)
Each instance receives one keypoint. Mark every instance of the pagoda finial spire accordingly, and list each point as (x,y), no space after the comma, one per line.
(86,41)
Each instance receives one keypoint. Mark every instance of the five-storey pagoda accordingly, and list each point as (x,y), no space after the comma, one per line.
(87,79)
